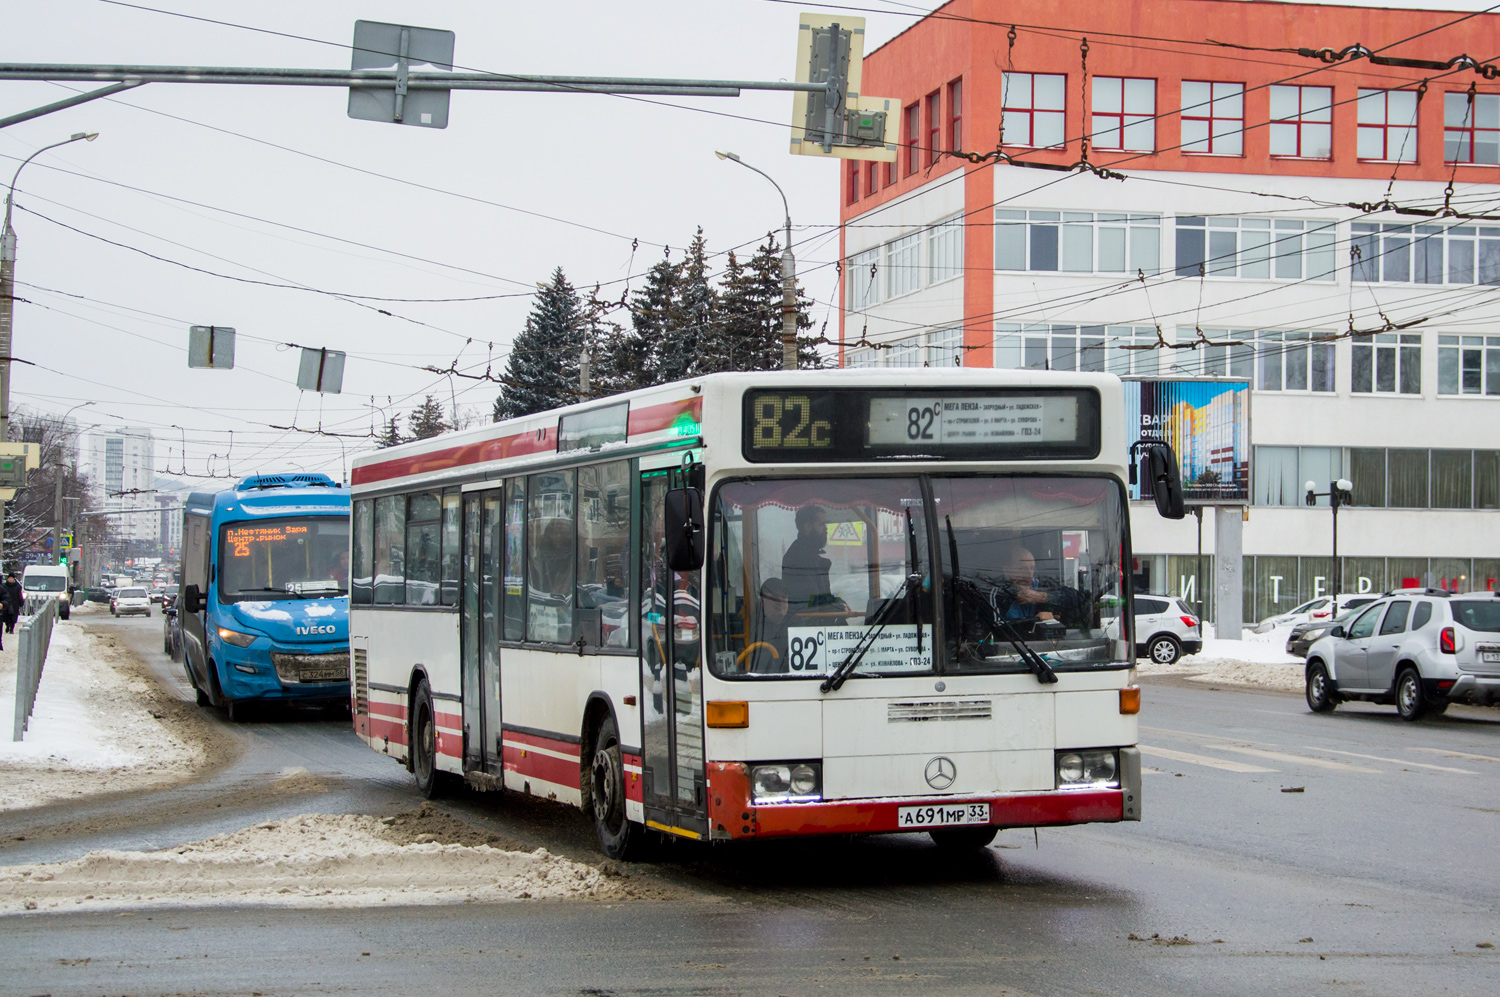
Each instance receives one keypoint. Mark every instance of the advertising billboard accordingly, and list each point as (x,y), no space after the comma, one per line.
(1207,422)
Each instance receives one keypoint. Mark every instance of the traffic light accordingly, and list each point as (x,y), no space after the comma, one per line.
(62,557)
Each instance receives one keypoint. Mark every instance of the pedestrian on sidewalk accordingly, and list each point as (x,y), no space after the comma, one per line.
(14,600)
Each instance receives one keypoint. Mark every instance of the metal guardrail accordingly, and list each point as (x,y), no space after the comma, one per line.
(34,637)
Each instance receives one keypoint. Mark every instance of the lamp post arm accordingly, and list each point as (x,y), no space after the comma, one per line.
(11,191)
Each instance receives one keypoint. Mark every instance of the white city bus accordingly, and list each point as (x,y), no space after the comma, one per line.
(758,605)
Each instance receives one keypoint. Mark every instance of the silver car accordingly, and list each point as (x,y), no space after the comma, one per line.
(1419,650)
(1165,629)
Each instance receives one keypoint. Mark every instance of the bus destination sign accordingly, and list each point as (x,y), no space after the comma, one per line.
(842,424)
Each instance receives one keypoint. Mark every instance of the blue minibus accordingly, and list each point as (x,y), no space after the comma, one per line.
(263,602)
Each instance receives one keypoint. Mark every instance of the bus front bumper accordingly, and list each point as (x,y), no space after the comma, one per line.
(732,814)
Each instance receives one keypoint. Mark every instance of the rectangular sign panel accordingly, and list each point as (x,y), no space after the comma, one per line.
(1207,423)
(819,650)
(966,420)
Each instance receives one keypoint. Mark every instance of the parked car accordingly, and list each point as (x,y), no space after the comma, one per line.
(1304,635)
(131,600)
(1419,651)
(1166,628)
(1325,607)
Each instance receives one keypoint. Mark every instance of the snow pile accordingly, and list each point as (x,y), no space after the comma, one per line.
(91,729)
(342,860)
(1258,660)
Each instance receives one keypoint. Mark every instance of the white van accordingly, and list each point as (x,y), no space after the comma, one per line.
(46,581)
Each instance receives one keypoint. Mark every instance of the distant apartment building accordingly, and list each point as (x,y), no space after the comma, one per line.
(122,474)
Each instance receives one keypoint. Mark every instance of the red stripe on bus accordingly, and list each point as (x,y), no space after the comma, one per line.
(634,788)
(397,710)
(452,721)
(539,766)
(655,418)
(394,732)
(539,741)
(730,802)
(479,452)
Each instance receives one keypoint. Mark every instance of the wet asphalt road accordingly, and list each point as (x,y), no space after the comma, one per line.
(1378,877)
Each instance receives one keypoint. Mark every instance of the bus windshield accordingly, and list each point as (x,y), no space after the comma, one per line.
(296,557)
(807,571)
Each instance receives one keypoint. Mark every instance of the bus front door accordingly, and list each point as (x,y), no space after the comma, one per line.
(672,763)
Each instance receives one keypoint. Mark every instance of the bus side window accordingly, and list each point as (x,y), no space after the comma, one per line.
(423,554)
(515,559)
(361,591)
(390,550)
(452,563)
(551,567)
(604,554)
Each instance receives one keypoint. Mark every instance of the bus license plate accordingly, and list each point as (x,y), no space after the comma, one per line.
(943,816)
(336,673)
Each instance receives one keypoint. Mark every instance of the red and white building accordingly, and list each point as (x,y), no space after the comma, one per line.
(1251,201)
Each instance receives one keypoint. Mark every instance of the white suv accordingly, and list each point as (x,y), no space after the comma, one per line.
(1420,650)
(1165,629)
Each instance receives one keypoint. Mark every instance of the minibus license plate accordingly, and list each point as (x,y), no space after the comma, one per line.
(1492,657)
(322,673)
(943,816)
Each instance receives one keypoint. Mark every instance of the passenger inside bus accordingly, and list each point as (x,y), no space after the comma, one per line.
(765,654)
(804,569)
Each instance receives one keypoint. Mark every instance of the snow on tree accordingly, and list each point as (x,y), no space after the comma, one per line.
(391,436)
(542,371)
(426,420)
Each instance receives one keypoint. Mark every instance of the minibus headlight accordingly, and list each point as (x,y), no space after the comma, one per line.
(236,638)
(1097,769)
(786,782)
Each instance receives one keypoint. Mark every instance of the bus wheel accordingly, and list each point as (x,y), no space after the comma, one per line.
(962,838)
(424,742)
(619,837)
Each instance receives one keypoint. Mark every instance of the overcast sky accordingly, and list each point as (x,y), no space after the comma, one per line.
(278,185)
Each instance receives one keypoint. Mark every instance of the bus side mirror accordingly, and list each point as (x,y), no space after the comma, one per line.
(192,599)
(1165,480)
(685,542)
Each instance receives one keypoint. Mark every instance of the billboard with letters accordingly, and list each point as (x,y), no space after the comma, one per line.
(1207,422)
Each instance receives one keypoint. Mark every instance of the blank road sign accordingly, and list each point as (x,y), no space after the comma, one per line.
(321,370)
(399,46)
(211,346)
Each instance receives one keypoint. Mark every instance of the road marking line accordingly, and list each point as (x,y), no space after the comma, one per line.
(1281,756)
(1458,754)
(1395,761)
(1211,762)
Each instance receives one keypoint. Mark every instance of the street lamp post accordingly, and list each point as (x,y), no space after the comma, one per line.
(57,484)
(1340,492)
(788,273)
(8,298)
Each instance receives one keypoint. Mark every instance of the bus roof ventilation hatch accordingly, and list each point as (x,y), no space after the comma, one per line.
(256,481)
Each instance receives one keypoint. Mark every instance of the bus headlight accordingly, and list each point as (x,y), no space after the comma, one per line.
(786,782)
(236,638)
(1087,769)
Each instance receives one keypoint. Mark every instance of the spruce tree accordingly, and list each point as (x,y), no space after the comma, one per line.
(426,420)
(610,354)
(391,435)
(542,371)
(695,315)
(653,312)
(751,311)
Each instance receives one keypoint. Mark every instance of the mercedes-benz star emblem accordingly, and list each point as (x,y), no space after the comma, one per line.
(941,772)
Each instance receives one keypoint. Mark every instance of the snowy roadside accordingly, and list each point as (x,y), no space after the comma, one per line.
(1259,661)
(100,724)
(319,860)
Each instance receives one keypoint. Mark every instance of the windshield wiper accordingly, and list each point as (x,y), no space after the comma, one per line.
(999,625)
(876,627)
(320,594)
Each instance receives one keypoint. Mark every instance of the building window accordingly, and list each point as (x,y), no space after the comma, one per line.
(870,178)
(1033,105)
(890,173)
(1471,128)
(1302,122)
(1293,361)
(1387,363)
(1282,472)
(862,279)
(913,133)
(945,347)
(903,265)
(1124,114)
(956,115)
(1256,248)
(1038,346)
(938,348)
(853,172)
(860,358)
(945,250)
(1387,121)
(1469,365)
(1213,118)
(934,127)
(1077,241)
(1425,254)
